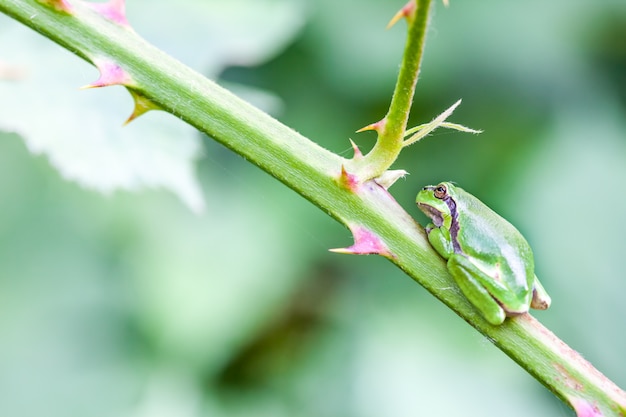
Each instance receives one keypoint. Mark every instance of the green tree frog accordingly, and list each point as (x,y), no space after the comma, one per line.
(488,257)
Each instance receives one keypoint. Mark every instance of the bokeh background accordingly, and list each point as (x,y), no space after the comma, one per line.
(129,304)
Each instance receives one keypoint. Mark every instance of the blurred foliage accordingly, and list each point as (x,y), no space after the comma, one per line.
(130,305)
(110,158)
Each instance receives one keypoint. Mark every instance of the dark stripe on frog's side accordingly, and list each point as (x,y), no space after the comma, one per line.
(454,225)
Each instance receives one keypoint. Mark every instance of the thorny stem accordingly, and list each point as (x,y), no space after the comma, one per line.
(392,127)
(369,210)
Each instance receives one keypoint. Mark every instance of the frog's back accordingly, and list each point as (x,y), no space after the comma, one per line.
(485,236)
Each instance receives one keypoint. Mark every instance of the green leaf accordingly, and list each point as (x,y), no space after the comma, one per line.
(418,132)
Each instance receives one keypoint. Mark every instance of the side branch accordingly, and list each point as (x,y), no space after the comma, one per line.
(392,127)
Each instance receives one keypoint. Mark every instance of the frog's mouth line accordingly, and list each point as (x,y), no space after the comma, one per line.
(433,213)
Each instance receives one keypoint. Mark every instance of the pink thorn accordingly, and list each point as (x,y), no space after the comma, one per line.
(357,151)
(110,74)
(408,12)
(349,181)
(58,5)
(114,10)
(378,126)
(365,243)
(584,409)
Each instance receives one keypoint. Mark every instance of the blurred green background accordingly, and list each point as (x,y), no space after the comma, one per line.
(131,305)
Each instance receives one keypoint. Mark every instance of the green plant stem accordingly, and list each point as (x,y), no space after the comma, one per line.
(391,135)
(313,172)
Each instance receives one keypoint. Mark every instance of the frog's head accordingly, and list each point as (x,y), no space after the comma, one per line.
(438,203)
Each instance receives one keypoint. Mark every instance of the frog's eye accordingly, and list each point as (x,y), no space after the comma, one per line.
(440,192)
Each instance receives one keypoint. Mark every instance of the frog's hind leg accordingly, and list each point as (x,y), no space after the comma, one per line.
(541,300)
(462,270)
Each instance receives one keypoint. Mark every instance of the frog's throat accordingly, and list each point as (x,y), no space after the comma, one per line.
(435,215)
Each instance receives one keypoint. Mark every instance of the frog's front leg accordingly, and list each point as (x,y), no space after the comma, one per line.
(468,277)
(439,239)
(541,300)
